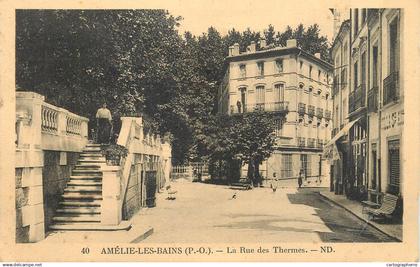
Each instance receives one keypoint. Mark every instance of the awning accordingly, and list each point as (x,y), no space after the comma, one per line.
(330,149)
(342,132)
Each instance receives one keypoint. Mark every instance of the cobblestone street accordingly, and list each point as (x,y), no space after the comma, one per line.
(204,213)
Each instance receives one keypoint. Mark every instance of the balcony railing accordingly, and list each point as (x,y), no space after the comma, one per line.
(373,99)
(311,110)
(319,113)
(301,108)
(269,107)
(357,98)
(328,115)
(311,142)
(301,141)
(391,88)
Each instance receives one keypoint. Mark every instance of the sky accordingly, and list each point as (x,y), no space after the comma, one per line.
(257,15)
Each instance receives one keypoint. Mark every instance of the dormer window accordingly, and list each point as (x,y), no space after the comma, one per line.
(279,65)
(260,66)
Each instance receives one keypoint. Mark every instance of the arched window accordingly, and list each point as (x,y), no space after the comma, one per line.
(279,92)
(241,104)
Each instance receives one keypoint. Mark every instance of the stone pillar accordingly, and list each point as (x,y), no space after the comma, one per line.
(29,163)
(111,213)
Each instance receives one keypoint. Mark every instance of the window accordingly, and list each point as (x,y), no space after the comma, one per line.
(260,96)
(375,66)
(363,69)
(287,167)
(394,166)
(301,85)
(279,127)
(279,92)
(393,46)
(241,104)
(300,66)
(310,71)
(355,78)
(260,66)
(304,164)
(279,65)
(242,70)
(319,75)
(345,54)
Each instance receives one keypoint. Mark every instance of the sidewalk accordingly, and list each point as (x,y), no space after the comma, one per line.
(355,207)
(138,232)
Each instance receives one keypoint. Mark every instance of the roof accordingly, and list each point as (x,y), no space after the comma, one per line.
(278,51)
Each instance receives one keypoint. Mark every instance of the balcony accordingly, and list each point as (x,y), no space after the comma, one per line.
(311,110)
(311,142)
(357,98)
(373,99)
(319,113)
(328,115)
(391,88)
(301,108)
(320,143)
(301,141)
(268,107)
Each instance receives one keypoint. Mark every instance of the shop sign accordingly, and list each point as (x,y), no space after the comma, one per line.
(392,120)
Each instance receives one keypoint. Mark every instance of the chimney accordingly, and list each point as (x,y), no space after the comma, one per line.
(263,44)
(318,55)
(235,49)
(253,47)
(291,43)
(231,48)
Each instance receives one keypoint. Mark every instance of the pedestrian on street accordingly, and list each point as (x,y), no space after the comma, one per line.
(300,178)
(103,124)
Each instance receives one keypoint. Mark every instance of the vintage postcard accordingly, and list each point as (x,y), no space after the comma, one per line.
(250,131)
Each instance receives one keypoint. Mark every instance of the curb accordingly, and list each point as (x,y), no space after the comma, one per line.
(360,218)
(143,236)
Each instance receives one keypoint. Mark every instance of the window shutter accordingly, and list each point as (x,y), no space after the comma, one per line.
(394,162)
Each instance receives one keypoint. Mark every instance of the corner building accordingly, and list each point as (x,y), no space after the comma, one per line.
(295,86)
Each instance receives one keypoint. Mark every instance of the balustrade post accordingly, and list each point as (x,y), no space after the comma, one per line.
(111,213)
(62,122)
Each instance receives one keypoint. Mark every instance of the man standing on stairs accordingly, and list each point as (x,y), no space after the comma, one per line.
(104,124)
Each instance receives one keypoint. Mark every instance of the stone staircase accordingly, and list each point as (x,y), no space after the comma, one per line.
(80,207)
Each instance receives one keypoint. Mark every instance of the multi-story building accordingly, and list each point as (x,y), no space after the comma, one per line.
(340,93)
(375,103)
(295,86)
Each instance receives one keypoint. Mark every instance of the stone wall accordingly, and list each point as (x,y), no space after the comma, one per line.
(134,196)
(55,175)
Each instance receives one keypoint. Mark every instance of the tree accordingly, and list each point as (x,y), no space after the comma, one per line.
(270,35)
(247,138)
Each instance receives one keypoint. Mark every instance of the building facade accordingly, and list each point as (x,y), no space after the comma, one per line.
(295,86)
(370,142)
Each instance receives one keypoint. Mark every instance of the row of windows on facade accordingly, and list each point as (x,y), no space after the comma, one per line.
(391,89)
(279,67)
(305,165)
(278,92)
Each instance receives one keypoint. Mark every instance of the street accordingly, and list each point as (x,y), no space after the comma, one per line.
(206,213)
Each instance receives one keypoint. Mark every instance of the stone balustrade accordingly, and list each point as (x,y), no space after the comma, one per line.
(48,140)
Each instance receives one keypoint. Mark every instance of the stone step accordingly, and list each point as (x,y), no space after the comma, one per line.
(81,196)
(87,166)
(91,161)
(87,172)
(90,154)
(92,226)
(78,218)
(93,145)
(85,176)
(85,203)
(84,183)
(82,189)
(93,150)
(79,210)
